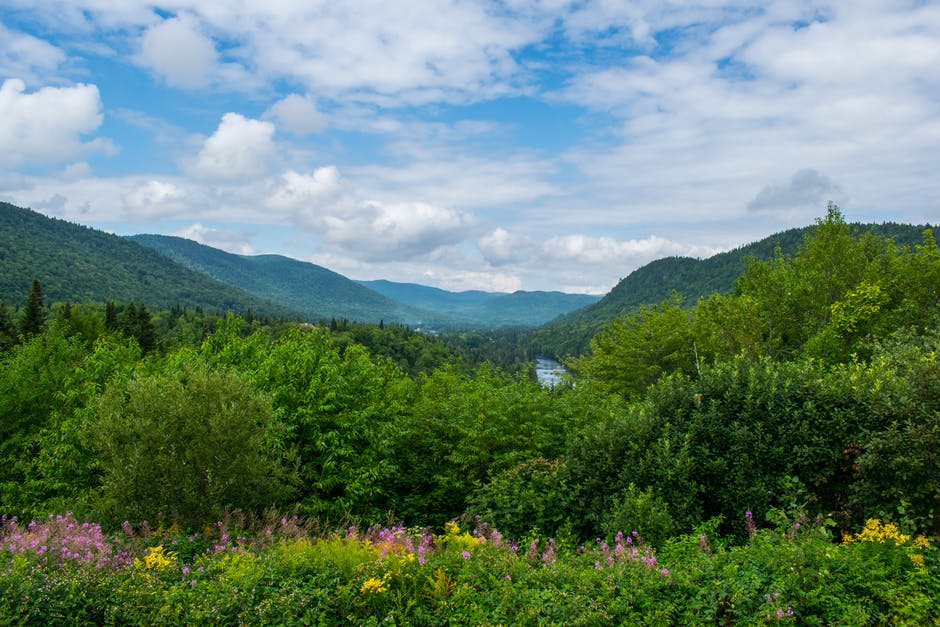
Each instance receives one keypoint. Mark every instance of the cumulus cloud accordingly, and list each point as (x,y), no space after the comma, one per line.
(46,126)
(461,280)
(240,148)
(296,191)
(617,253)
(222,239)
(154,199)
(27,57)
(380,231)
(179,52)
(500,247)
(806,187)
(298,115)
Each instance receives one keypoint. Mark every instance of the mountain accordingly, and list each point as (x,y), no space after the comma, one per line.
(494,309)
(311,289)
(571,333)
(79,264)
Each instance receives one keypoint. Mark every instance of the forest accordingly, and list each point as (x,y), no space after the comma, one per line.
(769,455)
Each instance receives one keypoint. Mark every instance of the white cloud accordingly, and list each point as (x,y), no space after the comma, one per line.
(295,191)
(26,57)
(222,239)
(240,148)
(461,280)
(501,247)
(155,199)
(179,52)
(608,251)
(805,188)
(45,126)
(378,230)
(298,115)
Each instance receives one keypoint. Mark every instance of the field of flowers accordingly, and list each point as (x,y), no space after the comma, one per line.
(282,571)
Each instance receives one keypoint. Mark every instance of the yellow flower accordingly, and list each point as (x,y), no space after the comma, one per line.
(374,586)
(156,559)
(920,542)
(451,528)
(875,531)
(918,560)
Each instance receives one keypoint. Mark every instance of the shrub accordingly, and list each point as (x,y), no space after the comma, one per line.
(188,443)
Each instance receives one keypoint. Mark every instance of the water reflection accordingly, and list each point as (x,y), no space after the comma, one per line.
(549,372)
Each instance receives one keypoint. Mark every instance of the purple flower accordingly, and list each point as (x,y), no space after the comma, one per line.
(465,554)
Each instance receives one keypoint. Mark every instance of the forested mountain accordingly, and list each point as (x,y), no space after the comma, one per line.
(80,264)
(496,309)
(691,279)
(305,287)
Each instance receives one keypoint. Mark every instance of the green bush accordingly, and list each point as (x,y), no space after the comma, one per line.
(187,442)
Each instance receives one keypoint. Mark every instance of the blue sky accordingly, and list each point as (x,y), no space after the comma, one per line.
(470,144)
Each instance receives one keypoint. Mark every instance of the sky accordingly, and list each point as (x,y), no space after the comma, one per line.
(471,144)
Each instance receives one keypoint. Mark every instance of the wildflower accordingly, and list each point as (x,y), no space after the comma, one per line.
(704,545)
(664,572)
(465,554)
(374,586)
(749,524)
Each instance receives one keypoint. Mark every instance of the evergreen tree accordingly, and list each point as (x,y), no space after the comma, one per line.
(110,316)
(34,314)
(7,328)
(145,332)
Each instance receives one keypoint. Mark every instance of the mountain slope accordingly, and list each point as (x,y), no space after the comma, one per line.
(570,334)
(80,264)
(305,287)
(488,308)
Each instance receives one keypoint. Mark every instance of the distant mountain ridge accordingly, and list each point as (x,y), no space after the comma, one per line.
(571,333)
(520,308)
(315,291)
(80,264)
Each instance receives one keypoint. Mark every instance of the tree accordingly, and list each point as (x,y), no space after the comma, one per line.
(110,316)
(632,352)
(7,328)
(144,330)
(189,442)
(34,313)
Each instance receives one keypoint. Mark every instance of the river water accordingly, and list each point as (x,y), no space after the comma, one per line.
(549,372)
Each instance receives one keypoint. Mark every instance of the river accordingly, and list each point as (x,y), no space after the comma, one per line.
(549,372)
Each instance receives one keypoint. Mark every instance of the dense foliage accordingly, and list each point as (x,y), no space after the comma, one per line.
(570,334)
(80,264)
(773,447)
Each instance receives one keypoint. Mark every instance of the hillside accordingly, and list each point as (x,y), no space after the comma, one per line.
(491,308)
(81,264)
(571,333)
(311,289)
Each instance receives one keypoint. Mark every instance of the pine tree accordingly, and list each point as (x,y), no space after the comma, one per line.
(7,328)
(110,316)
(145,331)
(34,314)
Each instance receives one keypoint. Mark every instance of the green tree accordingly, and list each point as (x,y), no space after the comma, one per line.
(188,442)
(7,328)
(632,352)
(110,316)
(34,313)
(33,376)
